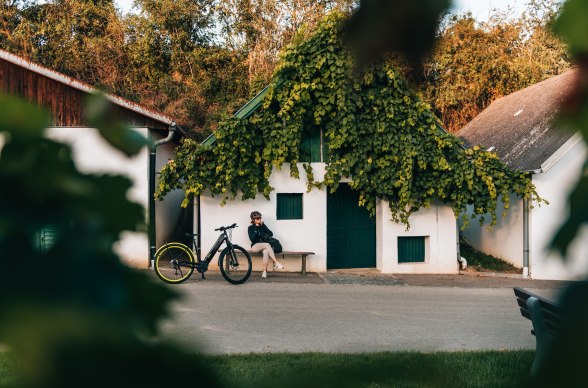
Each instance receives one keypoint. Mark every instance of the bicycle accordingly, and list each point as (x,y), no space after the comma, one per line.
(175,261)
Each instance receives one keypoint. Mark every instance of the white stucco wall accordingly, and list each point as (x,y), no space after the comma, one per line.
(555,186)
(310,233)
(505,239)
(167,211)
(439,227)
(307,234)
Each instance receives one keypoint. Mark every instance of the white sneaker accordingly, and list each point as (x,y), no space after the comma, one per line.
(264,275)
(278,266)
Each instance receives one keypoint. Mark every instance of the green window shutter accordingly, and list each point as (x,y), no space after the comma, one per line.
(46,238)
(289,207)
(325,149)
(411,249)
(310,147)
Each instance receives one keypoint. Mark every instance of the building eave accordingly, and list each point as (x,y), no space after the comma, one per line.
(561,152)
(86,88)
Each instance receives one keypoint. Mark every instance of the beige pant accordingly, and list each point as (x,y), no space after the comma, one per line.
(266,249)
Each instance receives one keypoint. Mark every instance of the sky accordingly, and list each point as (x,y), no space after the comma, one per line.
(480,9)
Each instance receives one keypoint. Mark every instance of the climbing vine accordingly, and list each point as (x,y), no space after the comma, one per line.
(378,132)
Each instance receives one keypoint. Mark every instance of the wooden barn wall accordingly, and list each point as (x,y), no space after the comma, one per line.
(64,102)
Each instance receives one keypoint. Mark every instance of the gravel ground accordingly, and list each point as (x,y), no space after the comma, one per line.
(469,279)
(361,278)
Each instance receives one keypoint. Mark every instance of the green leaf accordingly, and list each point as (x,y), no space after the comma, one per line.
(99,112)
(21,119)
(572,26)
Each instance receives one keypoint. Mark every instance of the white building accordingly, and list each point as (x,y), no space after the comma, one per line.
(63,97)
(333,226)
(520,129)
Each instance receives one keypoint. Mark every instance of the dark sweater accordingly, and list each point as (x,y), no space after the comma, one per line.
(256,232)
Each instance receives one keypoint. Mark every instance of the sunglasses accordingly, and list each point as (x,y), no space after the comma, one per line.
(257,218)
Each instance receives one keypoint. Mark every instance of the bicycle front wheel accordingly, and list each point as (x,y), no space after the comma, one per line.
(174,263)
(235,264)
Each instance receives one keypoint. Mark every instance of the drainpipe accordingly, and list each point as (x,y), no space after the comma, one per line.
(463,264)
(198,228)
(526,210)
(152,159)
(457,239)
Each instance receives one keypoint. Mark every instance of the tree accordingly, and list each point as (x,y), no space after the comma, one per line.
(83,39)
(262,28)
(474,64)
(9,19)
(176,67)
(164,58)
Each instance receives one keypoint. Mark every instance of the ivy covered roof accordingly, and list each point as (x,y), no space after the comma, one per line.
(377,131)
(246,110)
(255,103)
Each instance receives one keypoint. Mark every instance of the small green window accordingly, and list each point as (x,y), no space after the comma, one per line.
(411,249)
(310,147)
(289,206)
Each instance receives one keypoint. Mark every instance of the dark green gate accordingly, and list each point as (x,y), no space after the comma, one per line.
(351,232)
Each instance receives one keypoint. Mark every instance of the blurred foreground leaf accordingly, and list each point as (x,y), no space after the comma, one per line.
(578,216)
(379,27)
(100,115)
(27,118)
(72,312)
(85,348)
(567,358)
(572,27)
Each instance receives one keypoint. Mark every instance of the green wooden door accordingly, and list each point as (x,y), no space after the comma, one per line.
(351,232)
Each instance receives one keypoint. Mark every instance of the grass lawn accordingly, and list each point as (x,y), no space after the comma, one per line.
(403,369)
(483,262)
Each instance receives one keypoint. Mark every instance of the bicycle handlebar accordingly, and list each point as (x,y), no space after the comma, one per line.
(223,228)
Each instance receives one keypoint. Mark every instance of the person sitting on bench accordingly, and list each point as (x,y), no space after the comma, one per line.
(258,233)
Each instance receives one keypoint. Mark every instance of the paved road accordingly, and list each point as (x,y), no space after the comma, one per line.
(215,317)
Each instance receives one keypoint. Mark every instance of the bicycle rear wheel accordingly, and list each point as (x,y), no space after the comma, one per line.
(174,263)
(235,264)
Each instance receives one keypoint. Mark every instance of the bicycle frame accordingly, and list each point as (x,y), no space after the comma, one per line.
(216,246)
(223,238)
